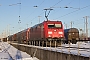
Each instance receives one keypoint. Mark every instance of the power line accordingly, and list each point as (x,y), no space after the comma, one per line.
(19,6)
(19,3)
(42,10)
(44,1)
(36,6)
(39,18)
(57,3)
(73,11)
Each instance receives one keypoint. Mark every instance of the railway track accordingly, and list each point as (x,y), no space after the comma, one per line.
(4,54)
(79,48)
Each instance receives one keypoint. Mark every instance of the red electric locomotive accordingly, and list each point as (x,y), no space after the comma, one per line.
(42,33)
(48,31)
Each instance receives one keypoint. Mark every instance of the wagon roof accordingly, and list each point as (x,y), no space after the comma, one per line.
(71,30)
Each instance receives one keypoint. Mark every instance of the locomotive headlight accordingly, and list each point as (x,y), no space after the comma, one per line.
(60,32)
(54,30)
(61,35)
(73,33)
(49,32)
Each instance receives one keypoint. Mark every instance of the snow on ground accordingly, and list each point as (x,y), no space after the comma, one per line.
(7,49)
(4,56)
(81,48)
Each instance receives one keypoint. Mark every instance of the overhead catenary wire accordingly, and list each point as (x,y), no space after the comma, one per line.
(72,8)
(57,3)
(73,11)
(19,6)
(43,11)
(30,13)
(60,7)
(49,8)
(66,6)
(36,6)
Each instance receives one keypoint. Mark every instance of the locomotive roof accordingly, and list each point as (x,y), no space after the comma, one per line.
(71,30)
(43,22)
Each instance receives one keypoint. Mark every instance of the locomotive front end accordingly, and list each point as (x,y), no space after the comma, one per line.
(54,32)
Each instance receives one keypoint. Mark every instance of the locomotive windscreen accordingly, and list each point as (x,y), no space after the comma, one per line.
(54,26)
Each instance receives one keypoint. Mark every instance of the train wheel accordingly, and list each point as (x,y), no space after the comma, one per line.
(74,41)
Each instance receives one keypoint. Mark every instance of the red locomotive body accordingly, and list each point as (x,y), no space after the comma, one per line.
(47,30)
(53,29)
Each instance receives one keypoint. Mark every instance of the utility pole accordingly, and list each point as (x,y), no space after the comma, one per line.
(84,25)
(27,26)
(19,24)
(86,18)
(65,25)
(71,24)
(39,18)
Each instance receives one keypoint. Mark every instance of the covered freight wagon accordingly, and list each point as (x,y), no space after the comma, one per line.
(71,34)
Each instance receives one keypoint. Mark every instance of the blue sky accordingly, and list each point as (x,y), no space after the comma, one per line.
(10,10)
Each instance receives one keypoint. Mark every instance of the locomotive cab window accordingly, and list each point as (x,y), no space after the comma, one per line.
(54,26)
(51,26)
(58,25)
